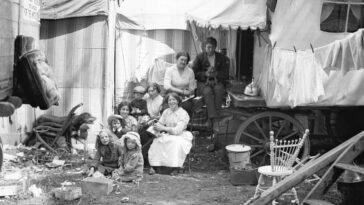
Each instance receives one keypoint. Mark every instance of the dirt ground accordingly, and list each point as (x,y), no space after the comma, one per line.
(207,184)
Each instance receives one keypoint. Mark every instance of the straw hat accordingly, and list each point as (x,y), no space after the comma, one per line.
(114,117)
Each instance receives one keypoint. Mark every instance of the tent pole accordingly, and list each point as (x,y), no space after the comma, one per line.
(110,64)
(193,39)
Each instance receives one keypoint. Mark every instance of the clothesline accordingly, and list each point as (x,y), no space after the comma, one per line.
(294,48)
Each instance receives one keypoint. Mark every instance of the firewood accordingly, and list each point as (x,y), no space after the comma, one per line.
(51,124)
(51,118)
(47,128)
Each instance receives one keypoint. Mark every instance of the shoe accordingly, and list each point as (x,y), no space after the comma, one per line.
(151,171)
(16,101)
(6,109)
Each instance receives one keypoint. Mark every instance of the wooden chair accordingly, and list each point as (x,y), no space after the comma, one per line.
(283,154)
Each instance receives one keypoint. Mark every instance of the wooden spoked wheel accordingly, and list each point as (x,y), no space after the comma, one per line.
(255,133)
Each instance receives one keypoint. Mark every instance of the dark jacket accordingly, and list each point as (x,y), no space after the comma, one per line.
(119,132)
(140,104)
(201,64)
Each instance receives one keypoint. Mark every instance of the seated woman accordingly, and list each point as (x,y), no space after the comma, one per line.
(181,79)
(173,142)
(131,123)
(154,104)
(108,152)
(154,100)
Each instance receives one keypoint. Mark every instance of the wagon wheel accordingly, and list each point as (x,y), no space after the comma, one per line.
(255,133)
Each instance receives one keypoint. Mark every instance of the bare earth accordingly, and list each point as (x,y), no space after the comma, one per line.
(207,184)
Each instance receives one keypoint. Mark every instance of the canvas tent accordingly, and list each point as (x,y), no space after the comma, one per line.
(77,37)
(164,27)
(229,14)
(99,50)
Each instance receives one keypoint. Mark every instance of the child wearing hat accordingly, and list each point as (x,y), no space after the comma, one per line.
(117,125)
(108,152)
(131,163)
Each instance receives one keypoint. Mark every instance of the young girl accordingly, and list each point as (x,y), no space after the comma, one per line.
(107,155)
(131,163)
(124,110)
(117,125)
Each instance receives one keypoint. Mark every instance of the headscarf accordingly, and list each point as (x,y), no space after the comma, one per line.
(134,136)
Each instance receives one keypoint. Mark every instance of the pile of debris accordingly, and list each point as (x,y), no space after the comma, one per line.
(54,133)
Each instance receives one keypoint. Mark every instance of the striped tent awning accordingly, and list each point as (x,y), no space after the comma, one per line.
(76,49)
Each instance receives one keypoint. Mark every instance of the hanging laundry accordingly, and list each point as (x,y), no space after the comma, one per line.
(283,62)
(291,78)
(344,55)
(262,80)
(307,80)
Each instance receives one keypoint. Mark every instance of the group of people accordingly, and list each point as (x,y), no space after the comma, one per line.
(151,129)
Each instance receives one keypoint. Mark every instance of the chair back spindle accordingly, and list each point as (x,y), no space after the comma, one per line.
(283,153)
(271,146)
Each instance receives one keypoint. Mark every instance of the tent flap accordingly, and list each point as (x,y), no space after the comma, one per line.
(229,14)
(151,15)
(60,9)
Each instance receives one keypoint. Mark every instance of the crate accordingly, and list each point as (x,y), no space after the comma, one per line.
(244,177)
(97,186)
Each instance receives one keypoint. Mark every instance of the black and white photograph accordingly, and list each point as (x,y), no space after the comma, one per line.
(181,102)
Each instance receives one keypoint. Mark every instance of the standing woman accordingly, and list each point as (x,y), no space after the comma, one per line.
(180,79)
(173,143)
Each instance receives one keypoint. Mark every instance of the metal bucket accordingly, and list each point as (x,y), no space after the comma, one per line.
(239,156)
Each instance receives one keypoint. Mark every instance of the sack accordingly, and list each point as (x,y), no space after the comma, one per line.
(33,81)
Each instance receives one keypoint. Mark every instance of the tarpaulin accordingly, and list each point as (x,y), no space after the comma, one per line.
(229,14)
(60,9)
